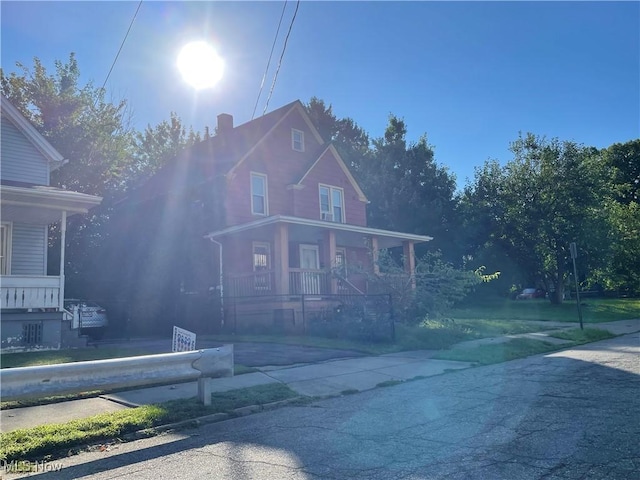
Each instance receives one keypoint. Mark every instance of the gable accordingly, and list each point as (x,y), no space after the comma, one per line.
(325,161)
(21,160)
(280,124)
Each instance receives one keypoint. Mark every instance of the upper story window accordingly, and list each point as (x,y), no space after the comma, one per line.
(297,140)
(331,204)
(259,205)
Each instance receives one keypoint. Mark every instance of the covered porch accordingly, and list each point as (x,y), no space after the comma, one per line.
(283,255)
(26,212)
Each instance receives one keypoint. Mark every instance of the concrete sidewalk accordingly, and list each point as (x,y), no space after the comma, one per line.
(326,378)
(321,379)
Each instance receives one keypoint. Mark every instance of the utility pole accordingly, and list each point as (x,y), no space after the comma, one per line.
(574,254)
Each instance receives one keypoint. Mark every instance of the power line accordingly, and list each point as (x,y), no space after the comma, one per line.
(275,77)
(113,64)
(269,61)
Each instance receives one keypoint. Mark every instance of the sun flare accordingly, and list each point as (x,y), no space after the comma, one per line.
(200,65)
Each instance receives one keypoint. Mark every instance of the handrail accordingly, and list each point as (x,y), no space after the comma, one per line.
(346,280)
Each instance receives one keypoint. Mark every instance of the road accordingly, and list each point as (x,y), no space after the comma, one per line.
(570,415)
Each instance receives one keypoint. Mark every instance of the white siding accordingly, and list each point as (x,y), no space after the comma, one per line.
(28,249)
(21,160)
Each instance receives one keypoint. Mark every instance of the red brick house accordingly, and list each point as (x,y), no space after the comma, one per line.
(281,213)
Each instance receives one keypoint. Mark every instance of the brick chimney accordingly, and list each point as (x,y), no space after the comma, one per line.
(225,123)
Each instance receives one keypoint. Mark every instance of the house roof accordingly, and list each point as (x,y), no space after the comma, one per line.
(248,136)
(388,238)
(217,155)
(223,153)
(55,159)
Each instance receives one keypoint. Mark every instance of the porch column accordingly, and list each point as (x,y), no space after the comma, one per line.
(409,261)
(63,241)
(281,257)
(329,256)
(374,255)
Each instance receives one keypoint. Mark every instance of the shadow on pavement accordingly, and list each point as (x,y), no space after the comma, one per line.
(566,415)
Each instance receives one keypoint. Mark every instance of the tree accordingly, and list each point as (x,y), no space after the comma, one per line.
(430,293)
(105,157)
(409,191)
(621,271)
(92,134)
(548,196)
(351,141)
(157,145)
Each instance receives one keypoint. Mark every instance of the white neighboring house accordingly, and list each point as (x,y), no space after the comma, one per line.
(31,301)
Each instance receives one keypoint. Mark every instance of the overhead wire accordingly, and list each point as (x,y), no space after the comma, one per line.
(113,64)
(284,48)
(269,61)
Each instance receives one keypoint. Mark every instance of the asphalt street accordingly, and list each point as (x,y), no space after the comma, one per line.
(568,415)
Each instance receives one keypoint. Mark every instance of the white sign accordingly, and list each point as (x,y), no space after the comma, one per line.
(183,340)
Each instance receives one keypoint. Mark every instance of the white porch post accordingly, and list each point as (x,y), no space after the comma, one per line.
(409,261)
(63,241)
(281,244)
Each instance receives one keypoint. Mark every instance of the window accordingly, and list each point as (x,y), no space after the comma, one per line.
(5,249)
(258,194)
(297,140)
(262,265)
(341,269)
(341,258)
(331,204)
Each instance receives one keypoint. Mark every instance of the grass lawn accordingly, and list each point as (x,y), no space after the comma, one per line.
(583,336)
(38,442)
(522,347)
(593,310)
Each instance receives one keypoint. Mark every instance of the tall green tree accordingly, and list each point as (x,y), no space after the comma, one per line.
(92,133)
(409,191)
(105,157)
(350,140)
(94,136)
(549,195)
(621,271)
(157,145)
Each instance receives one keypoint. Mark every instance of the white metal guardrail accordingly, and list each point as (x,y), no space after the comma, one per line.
(48,380)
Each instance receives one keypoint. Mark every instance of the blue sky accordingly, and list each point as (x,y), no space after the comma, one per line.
(469,75)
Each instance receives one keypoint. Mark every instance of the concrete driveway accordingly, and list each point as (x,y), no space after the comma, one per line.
(568,415)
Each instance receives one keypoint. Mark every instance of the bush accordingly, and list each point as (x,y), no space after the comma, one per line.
(438,286)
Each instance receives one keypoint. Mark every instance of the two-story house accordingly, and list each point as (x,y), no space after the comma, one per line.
(31,300)
(284,216)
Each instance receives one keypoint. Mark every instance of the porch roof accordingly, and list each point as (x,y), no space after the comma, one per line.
(41,204)
(386,238)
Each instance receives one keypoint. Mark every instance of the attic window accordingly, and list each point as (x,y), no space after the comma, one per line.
(297,140)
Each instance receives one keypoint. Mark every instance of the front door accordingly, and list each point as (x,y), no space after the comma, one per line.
(310,266)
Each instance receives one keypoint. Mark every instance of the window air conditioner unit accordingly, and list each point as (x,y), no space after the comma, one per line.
(328,217)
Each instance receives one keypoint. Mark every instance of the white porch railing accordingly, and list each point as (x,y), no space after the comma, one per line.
(29,291)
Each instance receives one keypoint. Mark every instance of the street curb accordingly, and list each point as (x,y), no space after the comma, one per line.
(212,418)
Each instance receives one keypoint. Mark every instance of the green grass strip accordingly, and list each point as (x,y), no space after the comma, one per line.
(583,336)
(35,443)
(502,352)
